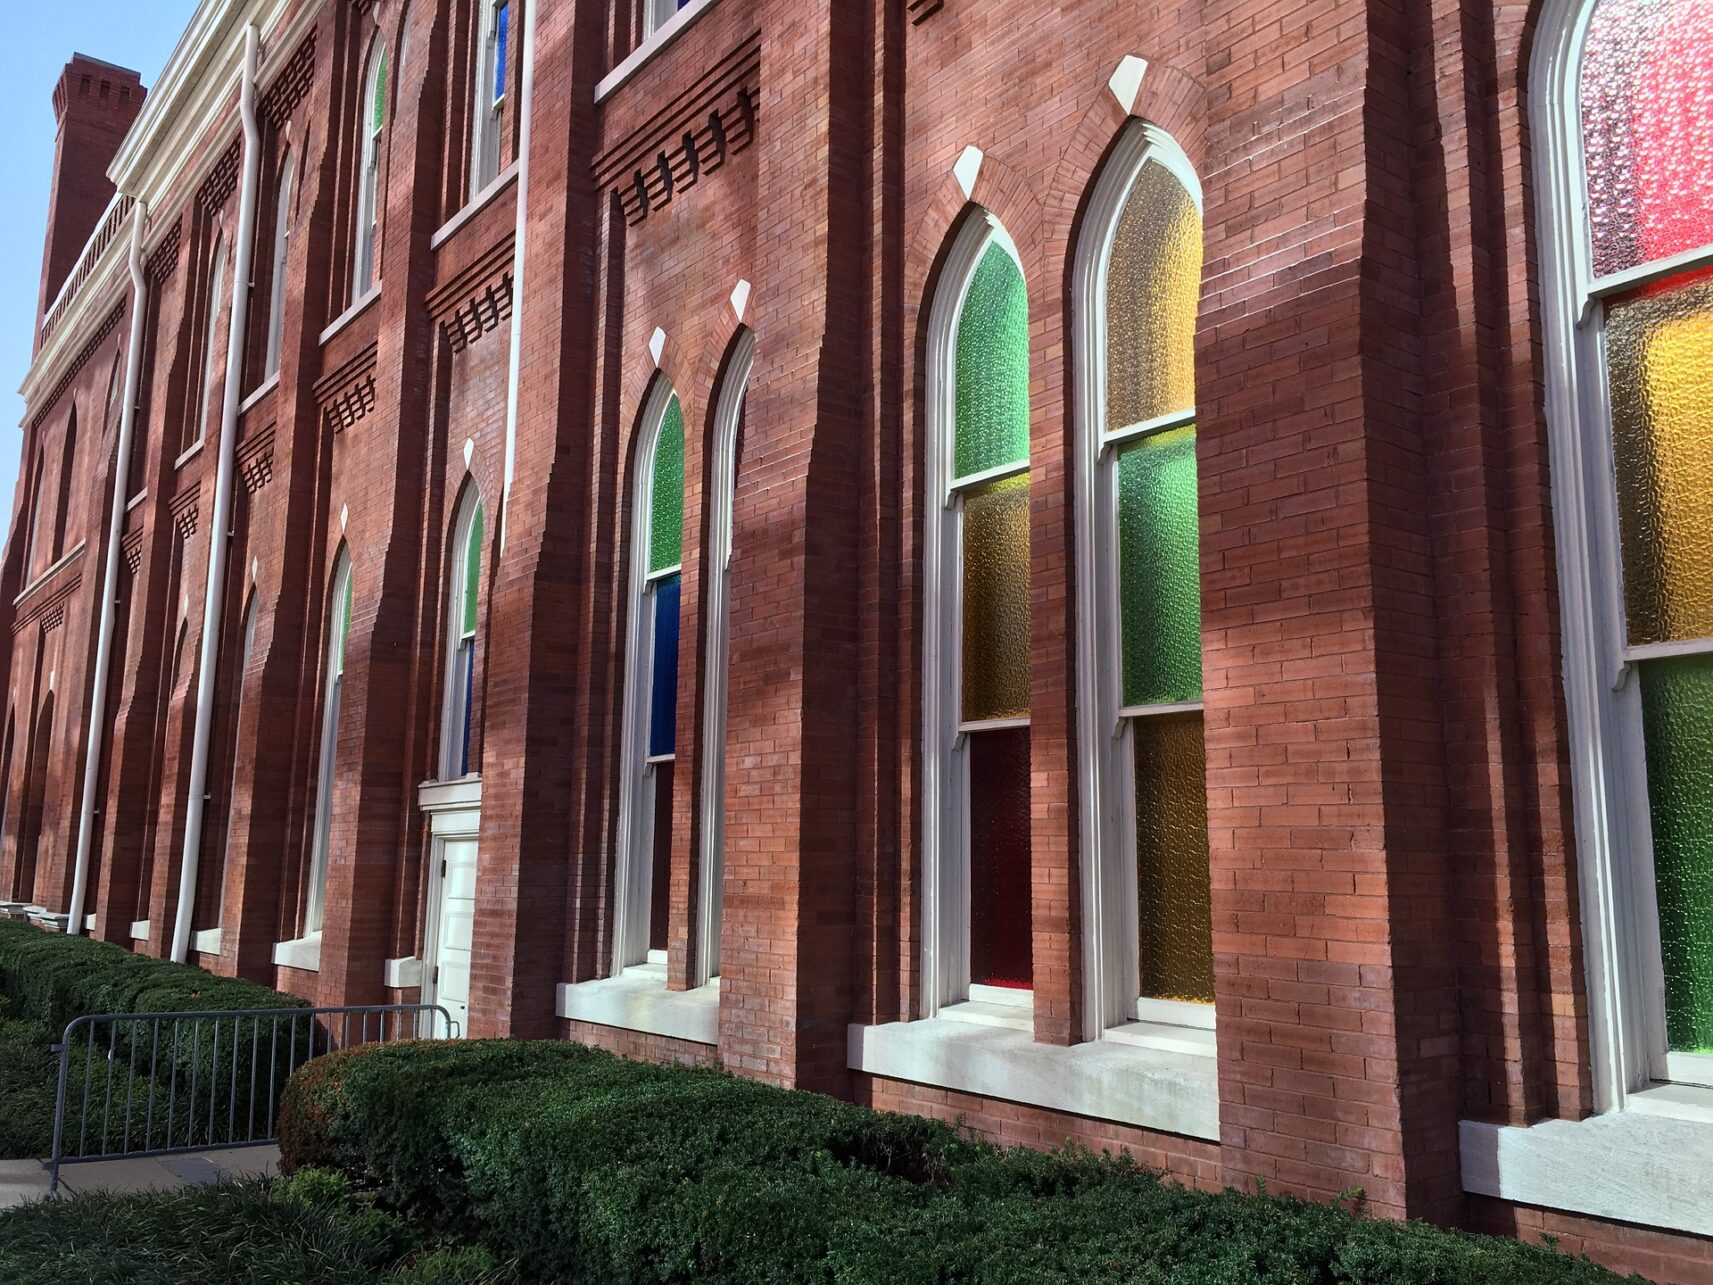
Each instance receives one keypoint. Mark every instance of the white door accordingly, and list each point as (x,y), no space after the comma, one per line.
(457,922)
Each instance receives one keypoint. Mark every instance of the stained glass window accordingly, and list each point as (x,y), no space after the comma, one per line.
(990,453)
(1645,106)
(1153,285)
(1647,127)
(461,684)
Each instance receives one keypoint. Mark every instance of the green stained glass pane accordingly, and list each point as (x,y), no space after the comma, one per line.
(666,494)
(996,601)
(1159,554)
(379,106)
(1677,712)
(1172,881)
(1153,283)
(993,368)
(473,571)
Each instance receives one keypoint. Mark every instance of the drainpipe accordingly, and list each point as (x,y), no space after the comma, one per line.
(526,91)
(219,535)
(110,574)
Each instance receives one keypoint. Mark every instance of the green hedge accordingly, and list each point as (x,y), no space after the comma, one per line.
(580,1166)
(52,978)
(48,979)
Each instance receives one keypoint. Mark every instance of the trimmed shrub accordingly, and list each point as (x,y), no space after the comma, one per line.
(581,1166)
(254,1231)
(48,979)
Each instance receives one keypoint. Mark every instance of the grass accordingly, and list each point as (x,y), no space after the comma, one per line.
(309,1228)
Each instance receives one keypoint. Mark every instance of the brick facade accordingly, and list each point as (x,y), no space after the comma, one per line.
(1396,927)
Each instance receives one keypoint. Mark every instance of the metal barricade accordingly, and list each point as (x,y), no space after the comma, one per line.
(154,1084)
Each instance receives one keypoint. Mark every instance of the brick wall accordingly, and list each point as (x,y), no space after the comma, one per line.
(1395,918)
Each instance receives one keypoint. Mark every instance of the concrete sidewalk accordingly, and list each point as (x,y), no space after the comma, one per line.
(22,1181)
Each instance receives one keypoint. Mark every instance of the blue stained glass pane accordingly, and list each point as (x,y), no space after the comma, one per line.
(663,710)
(502,32)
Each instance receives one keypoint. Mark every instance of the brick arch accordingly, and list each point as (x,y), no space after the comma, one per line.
(1170,99)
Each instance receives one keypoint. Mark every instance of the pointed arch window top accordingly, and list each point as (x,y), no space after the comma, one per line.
(992,366)
(473,571)
(666,494)
(1153,286)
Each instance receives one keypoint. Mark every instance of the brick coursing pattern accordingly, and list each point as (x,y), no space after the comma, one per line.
(1395,918)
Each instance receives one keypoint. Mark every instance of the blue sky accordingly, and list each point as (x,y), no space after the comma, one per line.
(38,42)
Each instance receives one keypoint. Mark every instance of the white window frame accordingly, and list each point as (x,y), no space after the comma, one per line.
(211,355)
(1111,931)
(634,879)
(454,692)
(1615,862)
(716,599)
(490,112)
(364,272)
(945,736)
(327,765)
(282,249)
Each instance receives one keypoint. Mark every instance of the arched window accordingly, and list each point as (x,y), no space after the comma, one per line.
(33,548)
(282,248)
(238,680)
(464,595)
(651,689)
(115,386)
(211,332)
(494,45)
(67,468)
(717,597)
(338,630)
(369,174)
(1148,950)
(1623,96)
(35,802)
(977,640)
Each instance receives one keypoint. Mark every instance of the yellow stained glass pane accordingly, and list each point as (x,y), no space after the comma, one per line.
(996,600)
(1660,356)
(1153,284)
(1172,881)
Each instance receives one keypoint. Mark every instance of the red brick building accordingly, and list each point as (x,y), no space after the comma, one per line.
(1119,571)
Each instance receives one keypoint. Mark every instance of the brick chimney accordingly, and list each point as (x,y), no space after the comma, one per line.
(94,103)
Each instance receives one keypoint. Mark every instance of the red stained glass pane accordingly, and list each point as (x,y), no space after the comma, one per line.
(660,891)
(1647,126)
(1000,885)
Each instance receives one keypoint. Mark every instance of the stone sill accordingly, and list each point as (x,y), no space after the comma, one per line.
(1163,1089)
(206,942)
(474,206)
(303,954)
(637,1000)
(1650,1164)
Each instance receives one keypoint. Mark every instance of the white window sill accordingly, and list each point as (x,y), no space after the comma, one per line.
(1649,1164)
(190,453)
(268,385)
(658,40)
(1109,1079)
(303,954)
(206,942)
(403,974)
(352,313)
(65,560)
(474,206)
(637,1000)
(140,930)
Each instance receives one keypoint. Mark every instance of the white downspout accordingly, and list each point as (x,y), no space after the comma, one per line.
(219,534)
(526,95)
(110,575)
